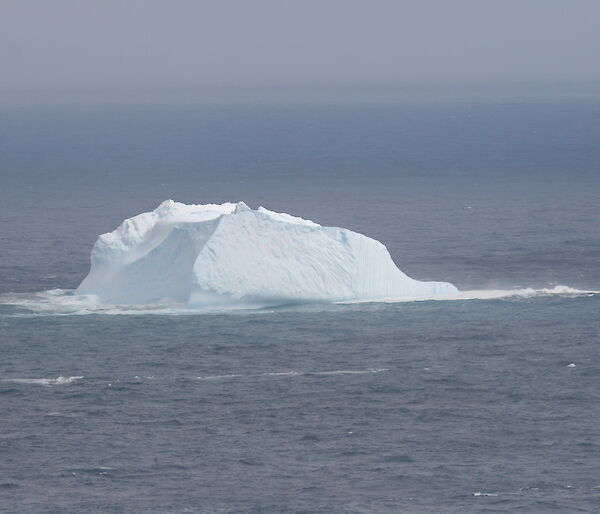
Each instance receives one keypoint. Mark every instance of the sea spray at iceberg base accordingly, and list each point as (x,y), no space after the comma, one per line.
(185,259)
(63,302)
(231,256)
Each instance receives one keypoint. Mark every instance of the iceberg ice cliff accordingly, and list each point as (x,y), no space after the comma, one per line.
(229,255)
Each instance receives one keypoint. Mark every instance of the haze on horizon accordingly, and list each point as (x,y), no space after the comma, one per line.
(66,44)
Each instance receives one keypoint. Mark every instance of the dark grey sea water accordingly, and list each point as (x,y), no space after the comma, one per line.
(482,405)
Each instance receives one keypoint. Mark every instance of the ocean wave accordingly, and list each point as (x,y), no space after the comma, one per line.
(44,381)
(296,373)
(490,294)
(61,302)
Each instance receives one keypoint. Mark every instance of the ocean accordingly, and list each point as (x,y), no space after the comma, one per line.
(485,404)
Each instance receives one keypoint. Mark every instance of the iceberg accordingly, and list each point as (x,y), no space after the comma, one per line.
(229,255)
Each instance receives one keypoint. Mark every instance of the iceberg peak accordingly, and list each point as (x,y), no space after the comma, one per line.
(241,207)
(223,255)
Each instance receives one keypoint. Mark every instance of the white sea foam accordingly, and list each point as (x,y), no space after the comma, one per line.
(61,302)
(57,302)
(281,374)
(218,377)
(296,373)
(347,371)
(44,381)
(490,294)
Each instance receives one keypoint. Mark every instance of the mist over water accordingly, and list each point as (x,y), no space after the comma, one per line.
(487,194)
(488,401)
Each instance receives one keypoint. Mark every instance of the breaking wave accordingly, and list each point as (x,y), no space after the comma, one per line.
(43,381)
(297,374)
(491,294)
(61,302)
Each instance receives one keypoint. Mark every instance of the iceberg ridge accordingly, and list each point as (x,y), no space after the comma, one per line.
(229,255)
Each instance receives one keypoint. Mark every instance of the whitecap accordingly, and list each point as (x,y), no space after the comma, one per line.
(44,381)
(217,377)
(61,302)
(294,373)
(489,294)
(347,371)
(281,374)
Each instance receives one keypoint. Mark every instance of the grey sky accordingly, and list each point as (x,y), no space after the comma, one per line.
(149,43)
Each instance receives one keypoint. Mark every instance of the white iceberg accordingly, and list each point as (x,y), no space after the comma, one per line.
(213,256)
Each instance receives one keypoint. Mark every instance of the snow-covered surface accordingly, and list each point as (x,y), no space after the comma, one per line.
(213,256)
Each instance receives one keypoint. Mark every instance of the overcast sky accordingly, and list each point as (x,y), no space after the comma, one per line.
(150,43)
